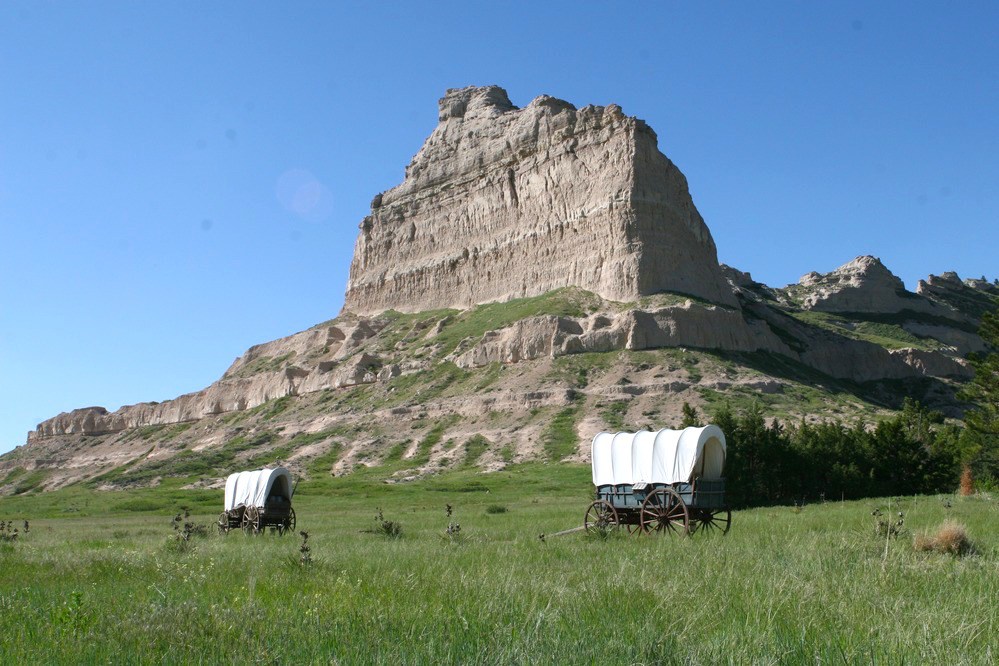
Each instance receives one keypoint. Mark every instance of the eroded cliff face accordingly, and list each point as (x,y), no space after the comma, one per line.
(328,356)
(502,203)
(354,350)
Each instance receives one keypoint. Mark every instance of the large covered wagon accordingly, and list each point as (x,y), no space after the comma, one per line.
(665,481)
(257,500)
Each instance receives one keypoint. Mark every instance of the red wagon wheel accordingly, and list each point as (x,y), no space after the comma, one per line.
(664,511)
(713,521)
(251,520)
(600,516)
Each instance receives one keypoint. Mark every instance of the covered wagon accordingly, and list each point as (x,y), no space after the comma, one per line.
(257,500)
(664,481)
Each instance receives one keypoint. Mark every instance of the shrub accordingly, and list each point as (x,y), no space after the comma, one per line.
(496,508)
(967,486)
(390,528)
(387,528)
(950,538)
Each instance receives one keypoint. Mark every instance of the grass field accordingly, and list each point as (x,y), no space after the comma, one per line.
(101,577)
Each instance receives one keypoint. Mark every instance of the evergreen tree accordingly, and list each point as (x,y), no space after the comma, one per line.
(982,453)
(691,419)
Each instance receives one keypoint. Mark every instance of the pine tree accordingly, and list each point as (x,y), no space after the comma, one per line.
(691,419)
(983,392)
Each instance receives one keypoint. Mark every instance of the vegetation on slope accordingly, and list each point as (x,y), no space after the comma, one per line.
(982,449)
(887,334)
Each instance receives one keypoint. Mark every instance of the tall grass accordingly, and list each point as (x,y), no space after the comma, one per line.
(816,585)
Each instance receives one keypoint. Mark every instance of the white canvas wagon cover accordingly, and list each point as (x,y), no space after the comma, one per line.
(664,456)
(253,488)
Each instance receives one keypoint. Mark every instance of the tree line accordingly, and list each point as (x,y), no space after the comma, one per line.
(912,452)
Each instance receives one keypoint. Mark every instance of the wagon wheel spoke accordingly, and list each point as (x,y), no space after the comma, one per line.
(288,524)
(676,516)
(664,511)
(600,517)
(634,528)
(716,521)
(251,520)
(223,523)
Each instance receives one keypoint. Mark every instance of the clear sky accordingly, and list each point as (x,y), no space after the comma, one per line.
(181,180)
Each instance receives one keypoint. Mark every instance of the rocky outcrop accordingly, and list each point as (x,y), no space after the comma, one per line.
(863,285)
(324,357)
(502,202)
(687,325)
(973,297)
(707,327)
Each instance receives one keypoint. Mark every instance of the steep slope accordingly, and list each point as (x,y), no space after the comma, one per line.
(541,274)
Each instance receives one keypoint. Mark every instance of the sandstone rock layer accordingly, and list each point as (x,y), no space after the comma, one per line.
(502,203)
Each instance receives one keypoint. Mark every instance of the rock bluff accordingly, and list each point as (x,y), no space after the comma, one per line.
(503,203)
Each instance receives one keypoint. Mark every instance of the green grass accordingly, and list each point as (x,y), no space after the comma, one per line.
(885,332)
(108,583)
(576,370)
(272,408)
(30,481)
(322,464)
(672,298)
(560,438)
(443,379)
(264,364)
(474,448)
(613,415)
(187,463)
(568,302)
(431,439)
(13,475)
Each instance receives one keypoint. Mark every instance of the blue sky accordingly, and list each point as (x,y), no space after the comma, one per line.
(150,152)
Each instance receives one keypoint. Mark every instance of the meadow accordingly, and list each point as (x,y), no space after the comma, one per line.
(104,577)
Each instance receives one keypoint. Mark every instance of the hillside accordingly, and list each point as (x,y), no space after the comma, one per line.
(535,352)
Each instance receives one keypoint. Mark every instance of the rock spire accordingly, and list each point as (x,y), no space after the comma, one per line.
(502,203)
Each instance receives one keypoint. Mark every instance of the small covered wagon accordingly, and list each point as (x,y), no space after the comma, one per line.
(257,500)
(666,481)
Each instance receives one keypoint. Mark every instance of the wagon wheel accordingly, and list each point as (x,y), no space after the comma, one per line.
(251,520)
(663,511)
(288,524)
(633,528)
(713,521)
(599,517)
(223,523)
